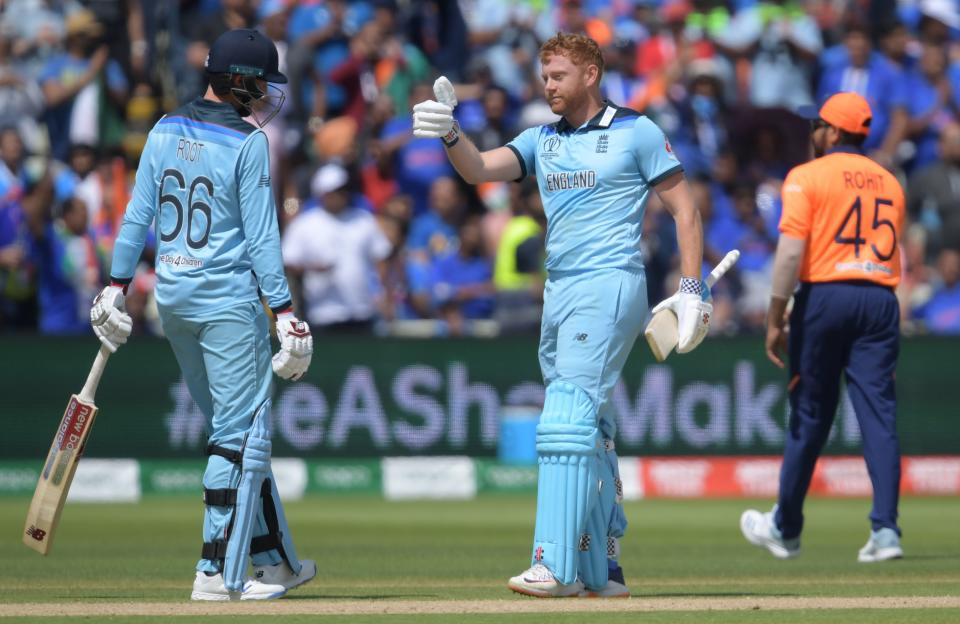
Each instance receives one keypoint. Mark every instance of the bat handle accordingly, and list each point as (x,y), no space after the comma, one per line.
(728,261)
(96,371)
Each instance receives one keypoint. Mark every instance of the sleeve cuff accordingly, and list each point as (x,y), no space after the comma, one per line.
(523,165)
(122,283)
(666,174)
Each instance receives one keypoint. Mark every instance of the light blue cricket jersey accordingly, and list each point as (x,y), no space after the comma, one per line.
(595,181)
(204,177)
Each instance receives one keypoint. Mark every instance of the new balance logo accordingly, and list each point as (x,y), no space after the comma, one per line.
(580,337)
(35,533)
(264,181)
(603,141)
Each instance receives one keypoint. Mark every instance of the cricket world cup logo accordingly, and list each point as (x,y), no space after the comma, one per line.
(550,147)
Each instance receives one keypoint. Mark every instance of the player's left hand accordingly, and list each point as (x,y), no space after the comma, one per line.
(691,304)
(296,347)
(109,318)
(434,118)
(776,343)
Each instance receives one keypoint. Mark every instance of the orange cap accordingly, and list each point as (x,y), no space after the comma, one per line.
(846,111)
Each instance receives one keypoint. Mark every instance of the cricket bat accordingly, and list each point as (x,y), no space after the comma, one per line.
(61,464)
(661,332)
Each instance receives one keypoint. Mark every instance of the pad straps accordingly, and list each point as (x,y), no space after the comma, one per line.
(273,539)
(227,497)
(234,456)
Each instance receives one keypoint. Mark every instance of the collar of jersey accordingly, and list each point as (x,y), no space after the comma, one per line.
(844,149)
(202,101)
(602,119)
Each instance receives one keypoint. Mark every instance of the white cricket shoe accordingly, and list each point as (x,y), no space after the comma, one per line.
(212,588)
(760,530)
(616,587)
(539,581)
(612,589)
(883,545)
(280,574)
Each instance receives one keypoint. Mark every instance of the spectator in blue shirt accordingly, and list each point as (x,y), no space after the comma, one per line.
(70,87)
(941,314)
(462,282)
(416,162)
(16,287)
(748,232)
(866,72)
(933,103)
(433,234)
(70,268)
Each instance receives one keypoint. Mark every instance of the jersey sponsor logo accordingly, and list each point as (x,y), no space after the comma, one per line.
(179,260)
(603,142)
(571,180)
(865,267)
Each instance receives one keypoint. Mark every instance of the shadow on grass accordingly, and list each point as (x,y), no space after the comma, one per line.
(713,595)
(358,596)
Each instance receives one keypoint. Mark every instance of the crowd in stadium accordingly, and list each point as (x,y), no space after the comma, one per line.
(379,234)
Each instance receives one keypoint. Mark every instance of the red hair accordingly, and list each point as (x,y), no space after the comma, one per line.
(580,49)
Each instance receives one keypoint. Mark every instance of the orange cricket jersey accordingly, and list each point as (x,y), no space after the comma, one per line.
(850,210)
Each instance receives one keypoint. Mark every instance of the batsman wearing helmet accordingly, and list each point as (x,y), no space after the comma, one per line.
(204,181)
(596,169)
(842,219)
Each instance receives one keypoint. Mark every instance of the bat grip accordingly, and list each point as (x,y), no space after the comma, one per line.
(728,261)
(96,371)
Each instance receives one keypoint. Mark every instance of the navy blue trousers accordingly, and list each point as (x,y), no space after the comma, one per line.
(837,328)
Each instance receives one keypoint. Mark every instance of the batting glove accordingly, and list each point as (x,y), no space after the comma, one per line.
(296,347)
(434,118)
(109,318)
(691,304)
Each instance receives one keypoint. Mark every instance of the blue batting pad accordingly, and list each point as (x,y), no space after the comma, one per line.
(255,468)
(273,522)
(605,522)
(568,446)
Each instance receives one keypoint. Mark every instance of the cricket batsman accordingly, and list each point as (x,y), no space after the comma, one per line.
(596,168)
(843,216)
(204,180)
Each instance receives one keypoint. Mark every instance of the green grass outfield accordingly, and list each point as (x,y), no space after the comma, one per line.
(685,561)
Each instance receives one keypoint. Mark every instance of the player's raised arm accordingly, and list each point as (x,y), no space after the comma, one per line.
(434,119)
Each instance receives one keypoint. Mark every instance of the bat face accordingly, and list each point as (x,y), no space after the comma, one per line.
(661,334)
(57,474)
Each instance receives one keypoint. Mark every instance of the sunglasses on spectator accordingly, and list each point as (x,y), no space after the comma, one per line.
(816,124)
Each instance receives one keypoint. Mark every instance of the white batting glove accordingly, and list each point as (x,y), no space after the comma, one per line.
(296,347)
(434,118)
(693,309)
(109,318)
